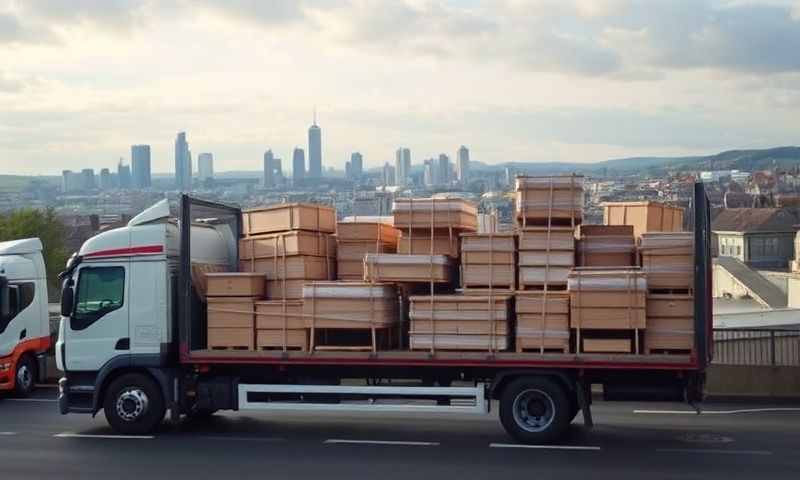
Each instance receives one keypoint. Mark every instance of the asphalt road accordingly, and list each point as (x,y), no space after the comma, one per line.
(37,442)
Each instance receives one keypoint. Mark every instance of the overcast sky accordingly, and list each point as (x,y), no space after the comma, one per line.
(515,80)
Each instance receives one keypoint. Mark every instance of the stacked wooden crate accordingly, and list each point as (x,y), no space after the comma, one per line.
(290,244)
(549,200)
(644,217)
(607,309)
(542,321)
(459,322)
(357,236)
(668,262)
(488,261)
(606,246)
(386,267)
(431,226)
(280,325)
(369,308)
(545,258)
(230,299)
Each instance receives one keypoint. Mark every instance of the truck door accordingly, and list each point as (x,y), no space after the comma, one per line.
(98,328)
(20,324)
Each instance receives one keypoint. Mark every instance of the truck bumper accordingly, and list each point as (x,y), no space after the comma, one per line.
(74,399)
(63,400)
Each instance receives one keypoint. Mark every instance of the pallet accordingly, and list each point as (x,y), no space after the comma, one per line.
(377,337)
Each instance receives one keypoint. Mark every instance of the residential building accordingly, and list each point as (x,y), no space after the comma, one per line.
(105,179)
(269,169)
(140,163)
(87,179)
(759,237)
(462,167)
(402,166)
(124,175)
(388,174)
(70,181)
(356,166)
(314,150)
(183,163)
(443,169)
(299,166)
(429,175)
(205,166)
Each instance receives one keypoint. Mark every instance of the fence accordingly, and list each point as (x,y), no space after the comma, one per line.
(756,346)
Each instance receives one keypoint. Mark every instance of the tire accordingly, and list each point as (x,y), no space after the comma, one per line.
(535,410)
(134,404)
(575,409)
(25,377)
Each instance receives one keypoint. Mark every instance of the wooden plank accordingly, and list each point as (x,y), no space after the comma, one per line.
(235,284)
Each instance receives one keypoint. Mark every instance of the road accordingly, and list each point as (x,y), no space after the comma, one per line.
(37,442)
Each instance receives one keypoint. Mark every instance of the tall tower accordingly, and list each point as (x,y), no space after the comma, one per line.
(315,150)
(462,166)
(356,165)
(183,164)
(205,166)
(402,166)
(140,163)
(269,169)
(299,166)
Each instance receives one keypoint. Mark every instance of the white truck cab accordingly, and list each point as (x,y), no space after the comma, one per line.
(24,319)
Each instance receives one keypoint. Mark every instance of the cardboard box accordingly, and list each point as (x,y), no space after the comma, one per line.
(427,213)
(296,267)
(298,242)
(670,306)
(385,267)
(607,345)
(289,216)
(644,216)
(235,284)
(231,312)
(418,242)
(285,289)
(349,305)
(279,314)
(231,338)
(278,339)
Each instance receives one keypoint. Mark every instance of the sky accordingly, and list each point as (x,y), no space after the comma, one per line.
(514,80)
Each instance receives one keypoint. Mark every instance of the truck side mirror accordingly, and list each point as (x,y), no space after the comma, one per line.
(5,298)
(67,298)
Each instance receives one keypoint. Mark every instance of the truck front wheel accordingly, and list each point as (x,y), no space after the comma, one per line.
(24,377)
(134,404)
(535,410)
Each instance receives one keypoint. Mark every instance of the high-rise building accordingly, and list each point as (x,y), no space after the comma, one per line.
(443,170)
(183,163)
(299,165)
(462,167)
(269,169)
(402,166)
(87,179)
(123,175)
(356,165)
(70,181)
(205,166)
(105,179)
(348,170)
(388,174)
(314,150)
(140,163)
(429,177)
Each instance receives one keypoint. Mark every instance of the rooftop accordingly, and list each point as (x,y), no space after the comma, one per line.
(756,220)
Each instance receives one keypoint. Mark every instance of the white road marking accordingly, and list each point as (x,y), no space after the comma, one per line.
(334,441)
(7,434)
(38,400)
(86,435)
(718,412)
(545,447)
(241,439)
(704,451)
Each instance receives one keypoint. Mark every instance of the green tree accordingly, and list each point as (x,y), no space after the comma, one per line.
(29,223)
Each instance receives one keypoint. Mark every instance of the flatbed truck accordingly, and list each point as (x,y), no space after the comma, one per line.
(132,343)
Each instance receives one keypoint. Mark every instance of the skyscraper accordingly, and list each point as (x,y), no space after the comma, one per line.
(442,176)
(388,174)
(299,165)
(205,166)
(87,179)
(123,175)
(105,179)
(183,164)
(462,167)
(269,169)
(356,165)
(402,166)
(140,163)
(429,176)
(314,150)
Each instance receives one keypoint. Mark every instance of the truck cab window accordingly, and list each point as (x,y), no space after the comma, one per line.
(101,290)
(21,297)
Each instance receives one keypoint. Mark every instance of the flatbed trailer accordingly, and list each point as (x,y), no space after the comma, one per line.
(538,394)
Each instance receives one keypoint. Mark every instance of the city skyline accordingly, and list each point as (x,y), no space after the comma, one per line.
(567,81)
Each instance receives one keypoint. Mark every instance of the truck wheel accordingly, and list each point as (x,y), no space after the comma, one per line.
(534,410)
(134,404)
(25,377)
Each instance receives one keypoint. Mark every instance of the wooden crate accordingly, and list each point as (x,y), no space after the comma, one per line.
(427,213)
(279,314)
(350,270)
(231,312)
(541,200)
(538,277)
(645,217)
(606,345)
(488,258)
(607,246)
(536,303)
(425,341)
(298,242)
(496,276)
(355,250)
(359,229)
(285,289)
(235,284)
(669,272)
(659,306)
(418,242)
(540,258)
(289,216)
(488,242)
(544,238)
(231,338)
(672,334)
(450,327)
(296,267)
(607,318)
(474,319)
(407,268)
(282,340)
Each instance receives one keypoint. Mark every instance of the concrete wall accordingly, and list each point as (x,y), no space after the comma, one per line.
(779,279)
(753,381)
(726,285)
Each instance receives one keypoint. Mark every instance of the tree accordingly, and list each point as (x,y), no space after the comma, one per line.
(29,223)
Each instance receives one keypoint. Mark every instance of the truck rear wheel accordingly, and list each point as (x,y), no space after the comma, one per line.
(134,404)
(25,377)
(535,410)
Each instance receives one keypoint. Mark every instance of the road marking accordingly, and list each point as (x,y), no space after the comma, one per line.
(86,435)
(241,439)
(40,400)
(545,447)
(7,434)
(714,451)
(334,441)
(718,412)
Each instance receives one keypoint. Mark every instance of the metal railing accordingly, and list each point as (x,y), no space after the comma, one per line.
(757,346)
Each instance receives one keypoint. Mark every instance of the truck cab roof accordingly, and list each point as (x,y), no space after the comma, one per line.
(21,247)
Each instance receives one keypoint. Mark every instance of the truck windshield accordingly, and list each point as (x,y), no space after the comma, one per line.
(100,290)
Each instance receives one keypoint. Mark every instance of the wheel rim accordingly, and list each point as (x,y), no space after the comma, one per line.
(534,410)
(25,377)
(132,403)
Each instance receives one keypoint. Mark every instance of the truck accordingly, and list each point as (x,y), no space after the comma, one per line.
(132,342)
(24,318)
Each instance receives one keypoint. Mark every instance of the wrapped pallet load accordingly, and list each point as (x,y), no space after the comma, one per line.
(542,322)
(488,260)
(357,236)
(459,322)
(384,267)
(549,200)
(230,302)
(280,325)
(545,258)
(432,225)
(606,246)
